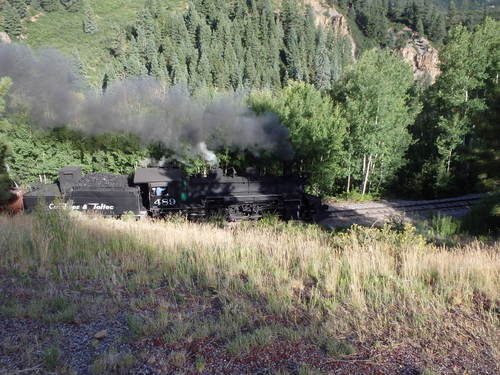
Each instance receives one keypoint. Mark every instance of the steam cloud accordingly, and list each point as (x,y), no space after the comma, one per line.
(46,85)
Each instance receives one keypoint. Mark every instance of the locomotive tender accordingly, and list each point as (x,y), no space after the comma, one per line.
(158,192)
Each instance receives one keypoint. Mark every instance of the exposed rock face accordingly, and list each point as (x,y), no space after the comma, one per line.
(328,17)
(4,38)
(423,58)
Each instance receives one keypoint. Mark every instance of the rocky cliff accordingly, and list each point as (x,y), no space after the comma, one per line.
(423,58)
(328,17)
(417,51)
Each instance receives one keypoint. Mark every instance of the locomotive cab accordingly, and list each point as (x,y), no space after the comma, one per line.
(162,189)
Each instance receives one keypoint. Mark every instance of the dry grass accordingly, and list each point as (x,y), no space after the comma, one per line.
(252,283)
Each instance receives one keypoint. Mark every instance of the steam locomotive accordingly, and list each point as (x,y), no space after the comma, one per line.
(157,192)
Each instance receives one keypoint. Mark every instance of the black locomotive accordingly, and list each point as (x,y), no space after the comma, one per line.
(158,192)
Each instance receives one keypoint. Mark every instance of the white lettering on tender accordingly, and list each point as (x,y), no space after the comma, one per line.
(84,207)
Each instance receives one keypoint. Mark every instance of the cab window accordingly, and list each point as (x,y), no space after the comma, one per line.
(158,191)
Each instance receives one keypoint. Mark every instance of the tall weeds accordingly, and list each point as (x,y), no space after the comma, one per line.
(360,278)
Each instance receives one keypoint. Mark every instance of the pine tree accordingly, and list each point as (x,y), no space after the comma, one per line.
(420,27)
(428,13)
(110,76)
(335,56)
(134,66)
(322,66)
(50,5)
(89,21)
(179,74)
(20,7)
(453,17)
(35,4)
(203,70)
(250,77)
(146,24)
(394,11)
(117,44)
(193,22)
(437,30)
(159,70)
(218,64)
(239,10)
(308,45)
(233,67)
(294,58)
(154,8)
(12,21)
(290,17)
(73,6)
(79,66)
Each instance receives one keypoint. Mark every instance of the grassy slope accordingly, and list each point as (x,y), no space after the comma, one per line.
(63,30)
(295,294)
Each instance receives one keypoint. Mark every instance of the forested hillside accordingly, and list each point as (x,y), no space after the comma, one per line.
(357,121)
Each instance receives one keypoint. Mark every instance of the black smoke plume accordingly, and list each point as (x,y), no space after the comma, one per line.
(46,85)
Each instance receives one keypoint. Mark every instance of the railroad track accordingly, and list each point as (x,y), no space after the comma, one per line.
(379,212)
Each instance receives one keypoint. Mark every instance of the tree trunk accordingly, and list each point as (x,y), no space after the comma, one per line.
(349,181)
(448,163)
(367,173)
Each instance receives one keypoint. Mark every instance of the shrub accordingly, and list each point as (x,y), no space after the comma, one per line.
(113,362)
(484,218)
(51,358)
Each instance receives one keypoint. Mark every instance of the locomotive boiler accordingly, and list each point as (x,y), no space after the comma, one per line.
(158,192)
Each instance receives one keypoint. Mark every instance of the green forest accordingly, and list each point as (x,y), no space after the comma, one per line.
(358,121)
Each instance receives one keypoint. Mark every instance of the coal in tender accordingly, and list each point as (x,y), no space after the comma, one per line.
(102,180)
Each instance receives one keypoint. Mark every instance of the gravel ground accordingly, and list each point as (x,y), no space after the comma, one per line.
(344,214)
(24,343)
(77,343)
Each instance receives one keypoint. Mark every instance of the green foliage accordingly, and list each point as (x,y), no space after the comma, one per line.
(356,196)
(38,155)
(374,18)
(12,21)
(242,46)
(20,7)
(93,48)
(50,5)
(376,94)
(208,47)
(89,22)
(322,65)
(440,228)
(5,84)
(484,218)
(51,358)
(317,130)
(337,348)
(457,128)
(72,5)
(113,362)
(437,30)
